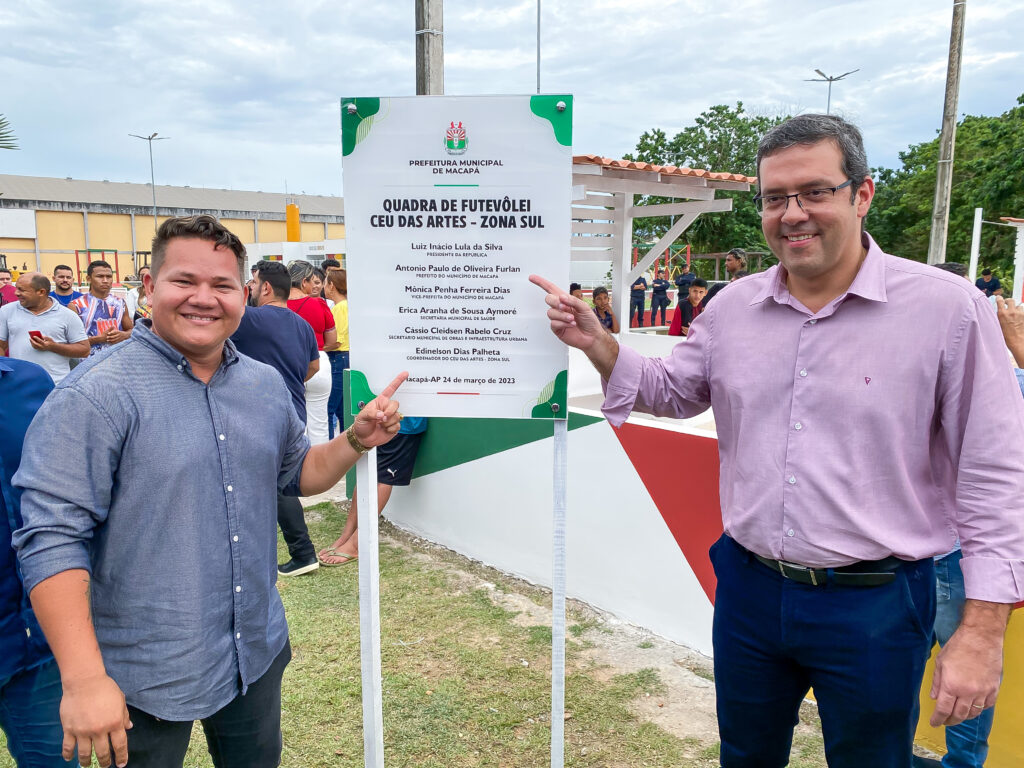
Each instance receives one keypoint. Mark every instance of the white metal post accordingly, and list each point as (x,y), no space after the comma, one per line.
(369,611)
(558,588)
(975,245)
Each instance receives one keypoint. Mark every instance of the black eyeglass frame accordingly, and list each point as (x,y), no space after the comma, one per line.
(758,198)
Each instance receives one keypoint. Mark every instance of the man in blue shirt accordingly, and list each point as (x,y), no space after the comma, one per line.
(149,537)
(683,281)
(989,283)
(273,334)
(659,296)
(64,287)
(637,296)
(29,680)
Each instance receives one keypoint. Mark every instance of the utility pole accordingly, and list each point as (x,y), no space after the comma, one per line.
(152,177)
(429,48)
(947,140)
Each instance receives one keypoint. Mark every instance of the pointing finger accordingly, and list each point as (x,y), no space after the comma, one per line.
(391,388)
(545,284)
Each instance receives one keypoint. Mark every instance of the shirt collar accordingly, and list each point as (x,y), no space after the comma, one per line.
(5,367)
(144,332)
(868,284)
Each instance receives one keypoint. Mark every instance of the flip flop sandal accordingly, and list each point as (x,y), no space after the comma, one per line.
(329,552)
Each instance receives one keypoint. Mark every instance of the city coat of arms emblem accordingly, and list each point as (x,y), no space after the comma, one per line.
(455,139)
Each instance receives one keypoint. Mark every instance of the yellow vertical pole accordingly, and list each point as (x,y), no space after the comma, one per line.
(293,231)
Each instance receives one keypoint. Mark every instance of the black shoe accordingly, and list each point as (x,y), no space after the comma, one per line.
(294,568)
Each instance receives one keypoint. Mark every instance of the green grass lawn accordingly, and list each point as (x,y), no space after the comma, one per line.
(464,685)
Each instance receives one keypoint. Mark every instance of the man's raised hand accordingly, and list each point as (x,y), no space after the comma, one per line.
(379,420)
(572,319)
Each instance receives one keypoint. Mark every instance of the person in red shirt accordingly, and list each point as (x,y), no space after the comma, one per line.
(687,309)
(314,311)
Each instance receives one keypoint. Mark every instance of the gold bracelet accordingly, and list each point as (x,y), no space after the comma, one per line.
(357,446)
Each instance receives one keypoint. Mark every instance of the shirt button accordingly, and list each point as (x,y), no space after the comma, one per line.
(238,635)
(180,368)
(798,426)
(221,436)
(791,480)
(234,538)
(803,372)
(28,631)
(791,532)
(813,321)
(230,488)
(238,589)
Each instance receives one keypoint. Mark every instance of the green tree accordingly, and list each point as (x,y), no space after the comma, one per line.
(7,138)
(722,138)
(988,173)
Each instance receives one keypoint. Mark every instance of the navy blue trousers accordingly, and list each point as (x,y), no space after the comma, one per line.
(862,649)
(636,307)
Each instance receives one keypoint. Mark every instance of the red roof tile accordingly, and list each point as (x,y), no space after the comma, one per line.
(668,170)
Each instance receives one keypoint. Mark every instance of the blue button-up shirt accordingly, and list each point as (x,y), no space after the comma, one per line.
(23,387)
(165,489)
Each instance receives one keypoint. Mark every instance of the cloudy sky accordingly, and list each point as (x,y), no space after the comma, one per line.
(248,90)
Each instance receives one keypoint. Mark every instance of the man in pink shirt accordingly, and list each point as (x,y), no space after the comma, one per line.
(845,384)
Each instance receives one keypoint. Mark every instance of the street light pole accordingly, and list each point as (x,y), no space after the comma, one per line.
(829,79)
(152,177)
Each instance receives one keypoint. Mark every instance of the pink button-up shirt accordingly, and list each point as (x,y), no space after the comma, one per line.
(887,423)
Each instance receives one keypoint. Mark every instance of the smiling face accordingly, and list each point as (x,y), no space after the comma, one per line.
(828,239)
(30,297)
(196,297)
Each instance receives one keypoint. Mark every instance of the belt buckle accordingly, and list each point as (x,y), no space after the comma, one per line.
(797,567)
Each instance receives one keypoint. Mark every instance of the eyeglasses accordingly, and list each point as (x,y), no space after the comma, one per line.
(808,200)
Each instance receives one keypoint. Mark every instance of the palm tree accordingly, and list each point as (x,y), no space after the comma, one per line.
(7,137)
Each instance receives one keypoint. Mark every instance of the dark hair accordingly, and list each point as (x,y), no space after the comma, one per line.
(599,291)
(986,271)
(199,227)
(144,266)
(811,129)
(739,254)
(5,269)
(953,266)
(275,274)
(320,273)
(63,266)
(339,279)
(40,282)
(575,287)
(700,282)
(94,265)
(329,263)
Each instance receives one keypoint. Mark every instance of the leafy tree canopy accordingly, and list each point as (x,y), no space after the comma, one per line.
(722,138)
(988,173)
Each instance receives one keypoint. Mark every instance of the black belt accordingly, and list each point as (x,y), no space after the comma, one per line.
(867,573)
